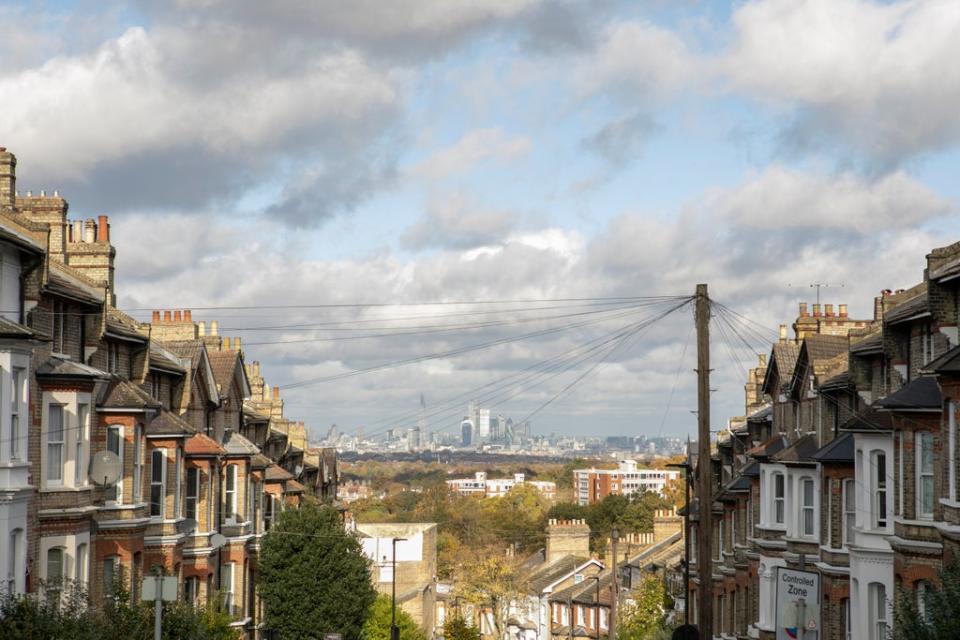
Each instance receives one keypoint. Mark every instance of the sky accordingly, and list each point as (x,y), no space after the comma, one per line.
(255,158)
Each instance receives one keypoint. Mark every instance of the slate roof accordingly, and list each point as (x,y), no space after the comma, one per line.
(800,451)
(542,577)
(764,414)
(949,362)
(585,592)
(276,473)
(253,414)
(869,420)
(785,356)
(292,486)
(737,485)
(202,445)
(65,286)
(838,450)
(169,424)
(120,325)
(260,461)
(907,310)
(918,394)
(870,344)
(160,358)
(770,447)
(752,470)
(186,350)
(223,364)
(62,367)
(946,270)
(120,393)
(237,445)
(11,329)
(820,347)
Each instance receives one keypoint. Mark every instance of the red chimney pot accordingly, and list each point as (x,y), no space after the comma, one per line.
(103,229)
(176,316)
(166,316)
(156,317)
(187,315)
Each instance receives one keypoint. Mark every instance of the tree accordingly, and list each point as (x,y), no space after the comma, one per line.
(941,610)
(645,617)
(314,578)
(491,581)
(377,626)
(456,628)
(518,517)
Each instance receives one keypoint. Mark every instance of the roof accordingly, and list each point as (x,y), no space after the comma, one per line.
(162,359)
(59,366)
(276,473)
(260,461)
(871,344)
(225,365)
(195,353)
(237,445)
(122,326)
(949,362)
(292,486)
(869,420)
(585,591)
(820,347)
(922,393)
(120,393)
(202,445)
(253,415)
(915,307)
(738,485)
(784,357)
(65,285)
(840,449)
(800,451)
(546,574)
(169,424)
(393,529)
(769,447)
(11,329)
(764,414)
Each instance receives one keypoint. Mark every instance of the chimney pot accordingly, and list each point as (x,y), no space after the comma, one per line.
(90,231)
(78,231)
(236,343)
(276,393)
(803,310)
(783,333)
(187,315)
(816,310)
(225,345)
(176,315)
(843,311)
(43,193)
(166,315)
(201,328)
(103,233)
(155,318)
(828,310)
(214,327)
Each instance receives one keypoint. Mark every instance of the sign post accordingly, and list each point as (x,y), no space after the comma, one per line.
(160,589)
(798,604)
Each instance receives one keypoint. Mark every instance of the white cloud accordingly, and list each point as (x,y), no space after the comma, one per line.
(455,221)
(471,149)
(878,78)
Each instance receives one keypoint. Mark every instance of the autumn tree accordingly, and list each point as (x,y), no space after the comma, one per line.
(490,581)
(456,628)
(642,619)
(377,626)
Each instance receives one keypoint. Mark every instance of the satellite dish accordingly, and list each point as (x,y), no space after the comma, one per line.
(298,470)
(105,468)
(217,540)
(187,525)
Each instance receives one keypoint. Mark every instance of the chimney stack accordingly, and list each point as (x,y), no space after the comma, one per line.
(843,311)
(762,360)
(166,315)
(816,310)
(214,327)
(8,179)
(236,343)
(803,310)
(828,310)
(176,315)
(103,230)
(155,318)
(201,328)
(783,333)
(225,346)
(187,315)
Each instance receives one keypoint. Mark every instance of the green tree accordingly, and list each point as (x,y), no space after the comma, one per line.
(456,628)
(644,619)
(490,581)
(518,517)
(941,610)
(377,626)
(314,578)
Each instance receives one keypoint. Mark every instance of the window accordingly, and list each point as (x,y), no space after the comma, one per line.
(191,590)
(849,510)
(115,444)
(226,585)
(15,397)
(924,455)
(155,386)
(848,622)
(158,482)
(579,616)
(54,575)
(923,589)
(778,498)
(269,513)
(80,571)
(878,611)
(193,492)
(880,490)
(899,502)
(806,507)
(109,574)
(177,485)
(926,342)
(137,464)
(720,539)
(55,436)
(83,436)
(113,357)
(13,561)
(230,492)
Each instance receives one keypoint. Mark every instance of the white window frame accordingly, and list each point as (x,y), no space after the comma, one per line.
(230,495)
(901,484)
(69,401)
(15,567)
(112,562)
(81,564)
(137,463)
(55,462)
(880,515)
(848,621)
(117,498)
(17,378)
(849,509)
(81,446)
(807,509)
(828,491)
(779,504)
(227,576)
(162,483)
(878,610)
(55,584)
(923,444)
(178,490)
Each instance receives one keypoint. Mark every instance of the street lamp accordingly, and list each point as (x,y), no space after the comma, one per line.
(597,619)
(394,630)
(686,539)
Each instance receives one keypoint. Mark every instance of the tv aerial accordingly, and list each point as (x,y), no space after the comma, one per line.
(105,468)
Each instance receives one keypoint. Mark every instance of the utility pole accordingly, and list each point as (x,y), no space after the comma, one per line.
(615,600)
(705,479)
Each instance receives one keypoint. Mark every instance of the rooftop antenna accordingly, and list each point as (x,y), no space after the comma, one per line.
(820,285)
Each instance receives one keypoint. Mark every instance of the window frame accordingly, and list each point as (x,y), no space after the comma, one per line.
(229,596)
(807,510)
(17,378)
(137,463)
(161,483)
(924,446)
(193,487)
(60,444)
(117,489)
(54,585)
(880,517)
(81,563)
(879,619)
(779,501)
(230,495)
(81,445)
(849,510)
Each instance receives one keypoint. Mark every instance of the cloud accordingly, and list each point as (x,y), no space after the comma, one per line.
(455,222)
(620,141)
(471,149)
(782,198)
(871,78)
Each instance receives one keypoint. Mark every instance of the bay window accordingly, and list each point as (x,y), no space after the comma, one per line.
(779,498)
(193,492)
(879,467)
(54,577)
(115,444)
(137,464)
(16,396)
(806,507)
(83,436)
(849,510)
(230,492)
(879,626)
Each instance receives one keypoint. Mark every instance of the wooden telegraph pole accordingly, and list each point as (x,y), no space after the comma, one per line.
(705,479)
(614,601)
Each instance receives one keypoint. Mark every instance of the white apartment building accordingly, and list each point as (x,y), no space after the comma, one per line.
(627,479)
(499,487)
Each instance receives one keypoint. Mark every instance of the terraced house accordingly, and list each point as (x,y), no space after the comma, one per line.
(207,459)
(845,464)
